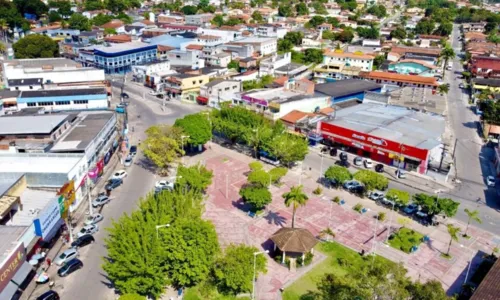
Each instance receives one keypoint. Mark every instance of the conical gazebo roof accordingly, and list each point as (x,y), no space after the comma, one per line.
(294,240)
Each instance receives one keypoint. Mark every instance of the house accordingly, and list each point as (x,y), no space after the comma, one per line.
(117,25)
(346,90)
(65,99)
(227,35)
(248,63)
(216,90)
(140,72)
(402,80)
(264,46)
(325,26)
(198,20)
(270,30)
(186,58)
(270,64)
(247,76)
(92,13)
(365,62)
(184,87)
(489,288)
(485,66)
(171,19)
(87,37)
(371,43)
(118,38)
(473,36)
(326,73)
(477,27)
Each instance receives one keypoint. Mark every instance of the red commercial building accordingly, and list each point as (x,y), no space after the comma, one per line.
(386,134)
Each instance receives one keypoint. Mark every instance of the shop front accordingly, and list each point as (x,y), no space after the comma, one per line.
(49,221)
(378,149)
(14,270)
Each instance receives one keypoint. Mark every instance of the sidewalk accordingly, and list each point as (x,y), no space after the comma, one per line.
(78,216)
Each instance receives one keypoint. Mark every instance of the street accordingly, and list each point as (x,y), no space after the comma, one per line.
(91,282)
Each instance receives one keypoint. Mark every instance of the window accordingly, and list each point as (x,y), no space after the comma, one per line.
(80,101)
(63,102)
(200,81)
(31,87)
(31,104)
(235,87)
(226,89)
(194,81)
(48,103)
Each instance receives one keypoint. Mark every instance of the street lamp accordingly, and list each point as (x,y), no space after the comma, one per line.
(182,143)
(254,267)
(160,226)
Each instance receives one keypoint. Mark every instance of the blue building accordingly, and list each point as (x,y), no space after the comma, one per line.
(119,58)
(94,98)
(343,90)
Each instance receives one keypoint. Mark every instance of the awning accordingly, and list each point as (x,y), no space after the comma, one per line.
(18,278)
(202,100)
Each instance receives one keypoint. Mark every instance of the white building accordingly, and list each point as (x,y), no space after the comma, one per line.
(268,30)
(219,90)
(363,61)
(70,98)
(264,46)
(148,69)
(270,64)
(50,71)
(186,58)
(225,35)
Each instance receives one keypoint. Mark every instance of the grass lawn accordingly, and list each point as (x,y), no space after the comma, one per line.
(194,294)
(340,260)
(405,239)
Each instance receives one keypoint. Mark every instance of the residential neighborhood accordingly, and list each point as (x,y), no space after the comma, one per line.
(207,149)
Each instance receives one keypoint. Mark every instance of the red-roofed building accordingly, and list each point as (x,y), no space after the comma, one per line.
(194,47)
(487,67)
(119,38)
(401,80)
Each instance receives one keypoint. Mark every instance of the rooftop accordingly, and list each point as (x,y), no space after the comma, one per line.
(33,202)
(347,87)
(489,288)
(417,129)
(83,132)
(63,92)
(486,81)
(38,163)
(419,99)
(43,124)
(114,48)
(297,240)
(349,55)
(27,81)
(275,95)
(217,81)
(414,79)
(42,62)
(10,236)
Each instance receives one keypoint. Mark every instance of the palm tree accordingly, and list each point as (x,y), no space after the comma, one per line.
(447,53)
(473,215)
(453,232)
(443,89)
(3,28)
(296,198)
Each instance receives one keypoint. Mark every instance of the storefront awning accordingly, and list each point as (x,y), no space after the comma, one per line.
(20,276)
(6,204)
(202,100)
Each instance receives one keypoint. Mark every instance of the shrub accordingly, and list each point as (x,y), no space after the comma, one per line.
(358,207)
(307,259)
(381,216)
(254,166)
(317,191)
(336,199)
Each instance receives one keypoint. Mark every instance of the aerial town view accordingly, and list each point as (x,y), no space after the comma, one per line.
(253,149)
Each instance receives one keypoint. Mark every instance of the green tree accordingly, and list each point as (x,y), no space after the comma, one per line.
(472,215)
(284,46)
(493,37)
(285,11)
(34,7)
(3,48)
(346,36)
(257,136)
(371,180)
(190,247)
(218,20)
(116,6)
(233,273)
(255,165)
(189,10)
(301,9)
(429,203)
(162,145)
(377,10)
(491,110)
(430,290)
(288,148)
(277,173)
(93,5)
(258,197)
(197,127)
(398,33)
(109,31)
(338,173)
(332,20)
(64,8)
(443,89)
(196,178)
(319,8)
(453,232)
(398,196)
(295,37)
(131,297)
(257,17)
(260,178)
(101,19)
(78,21)
(315,21)
(378,61)
(233,64)
(368,33)
(444,29)
(312,55)
(448,207)
(54,16)
(425,26)
(295,198)
(36,46)
(447,53)
(203,3)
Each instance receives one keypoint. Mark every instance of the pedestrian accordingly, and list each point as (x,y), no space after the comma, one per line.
(49,262)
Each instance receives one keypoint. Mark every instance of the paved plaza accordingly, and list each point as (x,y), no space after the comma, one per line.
(354,230)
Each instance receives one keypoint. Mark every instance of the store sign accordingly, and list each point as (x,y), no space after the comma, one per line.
(47,219)
(10,267)
(254,100)
(66,197)
(378,142)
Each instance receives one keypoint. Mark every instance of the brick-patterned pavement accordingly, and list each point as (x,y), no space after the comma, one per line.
(225,209)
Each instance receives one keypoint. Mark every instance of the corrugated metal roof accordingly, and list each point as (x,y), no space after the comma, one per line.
(30,124)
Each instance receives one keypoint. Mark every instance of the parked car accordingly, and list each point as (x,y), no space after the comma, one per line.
(88,229)
(128,161)
(357,189)
(461,85)
(343,156)
(113,184)
(368,163)
(422,217)
(490,181)
(133,150)
(401,174)
(410,209)
(83,241)
(353,186)
(120,174)
(153,93)
(164,184)
(66,256)
(379,168)
(388,202)
(93,219)
(376,196)
(100,200)
(343,163)
(124,95)
(333,152)
(70,267)
(49,295)
(358,161)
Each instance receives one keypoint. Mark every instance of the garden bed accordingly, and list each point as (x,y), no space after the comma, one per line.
(406,240)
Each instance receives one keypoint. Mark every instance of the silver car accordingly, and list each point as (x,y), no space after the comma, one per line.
(128,161)
(89,229)
(66,256)
(93,219)
(101,200)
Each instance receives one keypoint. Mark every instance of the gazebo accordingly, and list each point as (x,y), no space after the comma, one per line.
(294,241)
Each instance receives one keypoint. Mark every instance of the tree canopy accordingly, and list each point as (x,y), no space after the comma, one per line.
(196,178)
(162,145)
(79,21)
(398,196)
(338,173)
(189,10)
(197,127)
(434,205)
(256,196)
(33,7)
(372,180)
(36,46)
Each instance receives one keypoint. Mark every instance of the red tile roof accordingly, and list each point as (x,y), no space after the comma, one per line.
(113,24)
(404,50)
(295,115)
(119,38)
(165,48)
(489,288)
(413,79)
(194,47)
(281,80)
(488,63)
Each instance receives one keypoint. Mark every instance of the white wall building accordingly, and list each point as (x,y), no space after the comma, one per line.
(363,61)
(264,46)
(269,65)
(149,69)
(225,35)
(186,58)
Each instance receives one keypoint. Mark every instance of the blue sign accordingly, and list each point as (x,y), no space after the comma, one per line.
(47,218)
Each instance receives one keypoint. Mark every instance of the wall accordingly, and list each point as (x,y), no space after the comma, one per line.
(306,105)
(63,76)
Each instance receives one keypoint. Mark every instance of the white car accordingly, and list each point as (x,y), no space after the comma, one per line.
(66,256)
(100,201)
(89,229)
(376,196)
(128,161)
(93,219)
(368,163)
(490,181)
(119,174)
(163,184)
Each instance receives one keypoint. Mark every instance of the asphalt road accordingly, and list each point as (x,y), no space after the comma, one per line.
(91,282)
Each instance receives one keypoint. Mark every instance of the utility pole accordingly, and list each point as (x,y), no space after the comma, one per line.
(443,153)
